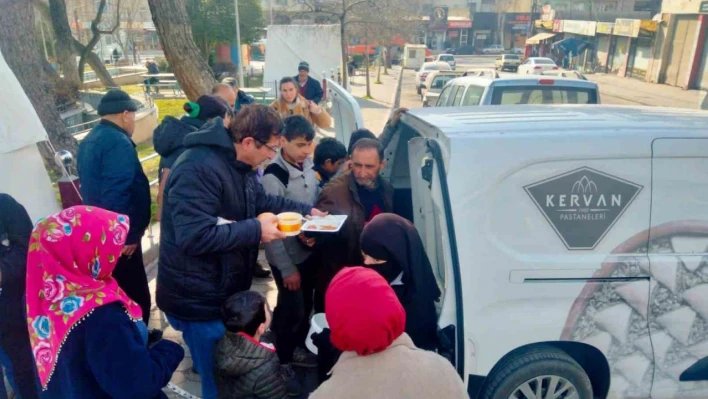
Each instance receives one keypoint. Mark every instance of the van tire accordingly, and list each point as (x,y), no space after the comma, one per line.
(530,363)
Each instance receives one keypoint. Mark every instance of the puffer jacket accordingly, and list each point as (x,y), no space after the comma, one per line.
(203,260)
(168,139)
(323,120)
(246,369)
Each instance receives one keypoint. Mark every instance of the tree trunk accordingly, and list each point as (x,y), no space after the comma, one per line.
(23,57)
(66,57)
(388,63)
(173,26)
(366,62)
(96,64)
(343,68)
(378,76)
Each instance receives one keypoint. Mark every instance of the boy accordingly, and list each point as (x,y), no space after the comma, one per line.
(291,175)
(245,367)
(329,156)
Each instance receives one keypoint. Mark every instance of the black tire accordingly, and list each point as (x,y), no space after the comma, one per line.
(528,364)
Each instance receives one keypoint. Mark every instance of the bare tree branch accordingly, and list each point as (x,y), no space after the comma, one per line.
(97,34)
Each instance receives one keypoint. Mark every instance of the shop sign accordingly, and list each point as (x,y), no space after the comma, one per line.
(544,24)
(519,19)
(558,25)
(459,24)
(627,27)
(586,28)
(438,17)
(704,7)
(605,28)
(647,28)
(453,34)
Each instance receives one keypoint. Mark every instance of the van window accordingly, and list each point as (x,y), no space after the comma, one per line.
(446,58)
(444,95)
(441,80)
(543,95)
(473,95)
(453,95)
(458,96)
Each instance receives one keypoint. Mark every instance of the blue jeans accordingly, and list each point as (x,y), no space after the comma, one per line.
(201,338)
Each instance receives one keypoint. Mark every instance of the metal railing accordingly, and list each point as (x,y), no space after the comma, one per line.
(147,158)
(76,130)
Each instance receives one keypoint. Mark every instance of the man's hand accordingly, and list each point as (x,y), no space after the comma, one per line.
(397,116)
(129,250)
(269,228)
(293,282)
(309,241)
(317,212)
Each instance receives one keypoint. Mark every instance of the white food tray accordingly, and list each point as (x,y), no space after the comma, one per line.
(324,224)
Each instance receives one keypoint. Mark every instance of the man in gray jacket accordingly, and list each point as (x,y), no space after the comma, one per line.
(291,175)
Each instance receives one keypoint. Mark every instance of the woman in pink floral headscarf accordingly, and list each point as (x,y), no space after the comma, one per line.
(87,336)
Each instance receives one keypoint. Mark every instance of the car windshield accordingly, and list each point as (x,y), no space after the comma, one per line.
(543,95)
(440,81)
(446,58)
(431,67)
(544,61)
(511,57)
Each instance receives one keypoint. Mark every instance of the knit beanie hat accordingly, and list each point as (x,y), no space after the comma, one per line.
(363,312)
(304,66)
(206,107)
(115,102)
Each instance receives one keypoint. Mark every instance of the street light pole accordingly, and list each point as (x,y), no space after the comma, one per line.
(238,46)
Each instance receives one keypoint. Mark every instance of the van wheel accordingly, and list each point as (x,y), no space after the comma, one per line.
(538,373)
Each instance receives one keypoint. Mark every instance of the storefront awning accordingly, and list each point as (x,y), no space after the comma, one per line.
(539,37)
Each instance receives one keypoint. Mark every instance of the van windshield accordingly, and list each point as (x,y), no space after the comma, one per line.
(446,58)
(543,95)
(441,80)
(511,57)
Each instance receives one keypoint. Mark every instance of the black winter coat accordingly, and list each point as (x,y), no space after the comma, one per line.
(168,139)
(204,260)
(244,369)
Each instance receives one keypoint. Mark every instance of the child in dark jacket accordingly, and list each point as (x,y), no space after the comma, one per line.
(244,366)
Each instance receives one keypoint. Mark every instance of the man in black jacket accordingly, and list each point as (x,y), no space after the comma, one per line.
(210,229)
(310,88)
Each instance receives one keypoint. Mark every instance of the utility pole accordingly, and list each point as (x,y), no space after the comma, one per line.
(238,46)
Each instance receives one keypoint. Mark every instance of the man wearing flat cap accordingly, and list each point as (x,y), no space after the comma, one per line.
(112,178)
(310,88)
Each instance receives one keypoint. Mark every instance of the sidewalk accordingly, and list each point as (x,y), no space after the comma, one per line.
(377,110)
(627,91)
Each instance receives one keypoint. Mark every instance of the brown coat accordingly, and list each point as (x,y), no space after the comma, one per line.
(402,371)
(323,120)
(340,197)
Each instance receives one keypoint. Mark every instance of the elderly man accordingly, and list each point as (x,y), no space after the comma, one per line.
(225,92)
(310,88)
(113,179)
(241,97)
(360,194)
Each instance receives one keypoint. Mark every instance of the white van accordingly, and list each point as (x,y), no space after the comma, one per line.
(570,242)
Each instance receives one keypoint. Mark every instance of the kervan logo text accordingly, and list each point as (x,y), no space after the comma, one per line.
(582,205)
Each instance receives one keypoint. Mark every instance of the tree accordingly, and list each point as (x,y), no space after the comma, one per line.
(26,62)
(128,13)
(175,31)
(66,57)
(213,22)
(97,32)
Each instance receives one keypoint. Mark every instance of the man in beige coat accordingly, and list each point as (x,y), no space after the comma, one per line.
(379,360)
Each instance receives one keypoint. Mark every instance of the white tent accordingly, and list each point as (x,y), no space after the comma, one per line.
(22,172)
(288,45)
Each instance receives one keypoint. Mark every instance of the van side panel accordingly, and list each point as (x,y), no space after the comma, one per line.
(678,251)
(553,246)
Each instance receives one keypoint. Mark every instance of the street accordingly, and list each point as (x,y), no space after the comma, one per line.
(613,89)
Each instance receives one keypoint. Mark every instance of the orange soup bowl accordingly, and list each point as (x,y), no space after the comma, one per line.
(290,223)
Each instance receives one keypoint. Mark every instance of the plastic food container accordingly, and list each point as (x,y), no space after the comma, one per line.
(290,223)
(317,324)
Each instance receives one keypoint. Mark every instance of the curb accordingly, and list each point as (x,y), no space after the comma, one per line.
(395,102)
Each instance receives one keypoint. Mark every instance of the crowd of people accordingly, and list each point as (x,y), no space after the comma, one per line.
(76,302)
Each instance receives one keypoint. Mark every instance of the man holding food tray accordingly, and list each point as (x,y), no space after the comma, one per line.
(359,194)
(215,213)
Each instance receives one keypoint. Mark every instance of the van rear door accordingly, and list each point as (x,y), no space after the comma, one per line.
(345,111)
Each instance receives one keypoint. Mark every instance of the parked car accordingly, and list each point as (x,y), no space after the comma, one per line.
(493,49)
(509,62)
(488,72)
(569,243)
(451,50)
(517,50)
(466,50)
(428,67)
(449,58)
(473,90)
(565,74)
(536,65)
(434,84)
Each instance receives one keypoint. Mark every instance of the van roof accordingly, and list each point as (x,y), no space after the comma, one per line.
(521,80)
(463,122)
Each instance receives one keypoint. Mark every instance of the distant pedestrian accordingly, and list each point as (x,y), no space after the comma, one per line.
(225,91)
(86,334)
(152,81)
(112,178)
(309,88)
(241,97)
(291,102)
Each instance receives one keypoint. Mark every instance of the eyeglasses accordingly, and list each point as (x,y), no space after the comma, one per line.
(272,148)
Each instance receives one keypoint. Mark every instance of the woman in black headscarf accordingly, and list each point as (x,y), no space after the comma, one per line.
(391,246)
(15,231)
